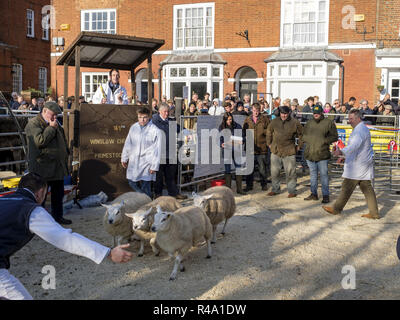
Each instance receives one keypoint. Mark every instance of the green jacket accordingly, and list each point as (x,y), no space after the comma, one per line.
(318,136)
(281,136)
(260,132)
(47,149)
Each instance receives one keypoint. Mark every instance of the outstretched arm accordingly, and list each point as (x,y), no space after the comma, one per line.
(43,224)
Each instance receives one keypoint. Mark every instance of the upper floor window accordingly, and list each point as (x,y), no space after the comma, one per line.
(45,26)
(30,26)
(194,26)
(102,21)
(17,77)
(43,79)
(304,22)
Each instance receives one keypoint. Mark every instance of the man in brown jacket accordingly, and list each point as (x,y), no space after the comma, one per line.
(259,123)
(48,154)
(281,139)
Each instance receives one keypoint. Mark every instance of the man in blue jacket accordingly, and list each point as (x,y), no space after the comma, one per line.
(22,216)
(168,167)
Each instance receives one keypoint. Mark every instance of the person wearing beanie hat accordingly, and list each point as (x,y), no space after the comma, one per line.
(48,154)
(319,133)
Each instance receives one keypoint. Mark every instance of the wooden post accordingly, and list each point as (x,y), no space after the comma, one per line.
(65,111)
(77,75)
(150,80)
(133,86)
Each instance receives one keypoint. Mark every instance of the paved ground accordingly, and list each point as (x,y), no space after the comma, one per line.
(274,248)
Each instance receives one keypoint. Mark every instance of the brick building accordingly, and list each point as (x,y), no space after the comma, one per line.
(287,48)
(24,46)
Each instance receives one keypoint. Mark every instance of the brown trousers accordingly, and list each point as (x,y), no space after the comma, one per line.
(348,187)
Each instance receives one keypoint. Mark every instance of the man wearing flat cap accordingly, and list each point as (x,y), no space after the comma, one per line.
(48,154)
(282,133)
(319,133)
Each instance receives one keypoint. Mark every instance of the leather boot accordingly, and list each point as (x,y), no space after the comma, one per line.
(239,189)
(228,180)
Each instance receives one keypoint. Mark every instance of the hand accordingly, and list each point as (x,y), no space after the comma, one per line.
(223,145)
(336,152)
(104,100)
(53,123)
(119,255)
(297,148)
(124,164)
(151,171)
(119,96)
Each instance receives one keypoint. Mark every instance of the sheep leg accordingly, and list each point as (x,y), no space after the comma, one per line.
(223,229)
(177,263)
(214,236)
(208,249)
(154,247)
(141,250)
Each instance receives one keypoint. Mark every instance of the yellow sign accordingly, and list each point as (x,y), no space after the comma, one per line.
(359,18)
(65,27)
(380,138)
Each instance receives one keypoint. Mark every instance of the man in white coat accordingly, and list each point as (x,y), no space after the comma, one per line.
(358,168)
(22,217)
(142,153)
(111,92)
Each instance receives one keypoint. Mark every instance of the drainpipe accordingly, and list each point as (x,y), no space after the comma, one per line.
(342,89)
(159,83)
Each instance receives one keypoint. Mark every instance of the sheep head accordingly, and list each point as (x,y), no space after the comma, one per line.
(200,201)
(140,219)
(161,220)
(114,213)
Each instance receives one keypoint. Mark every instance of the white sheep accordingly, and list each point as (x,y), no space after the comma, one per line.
(143,218)
(219,205)
(115,222)
(178,231)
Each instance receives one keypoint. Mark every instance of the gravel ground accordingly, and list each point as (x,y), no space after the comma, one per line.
(274,248)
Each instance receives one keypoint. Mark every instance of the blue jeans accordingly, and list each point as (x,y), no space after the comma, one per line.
(322,167)
(141,186)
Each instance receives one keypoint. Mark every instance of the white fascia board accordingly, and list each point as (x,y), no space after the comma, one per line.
(344,46)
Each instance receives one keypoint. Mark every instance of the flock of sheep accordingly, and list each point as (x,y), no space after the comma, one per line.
(166,224)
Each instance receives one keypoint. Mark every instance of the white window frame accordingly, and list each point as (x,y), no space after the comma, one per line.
(183,7)
(91,74)
(274,78)
(43,79)
(326,21)
(30,23)
(108,11)
(17,77)
(46,31)
(188,79)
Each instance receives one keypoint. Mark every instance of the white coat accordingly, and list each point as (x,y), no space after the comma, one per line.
(111,97)
(359,162)
(142,151)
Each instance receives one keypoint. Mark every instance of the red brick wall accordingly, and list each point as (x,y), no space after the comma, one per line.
(388,26)
(31,53)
